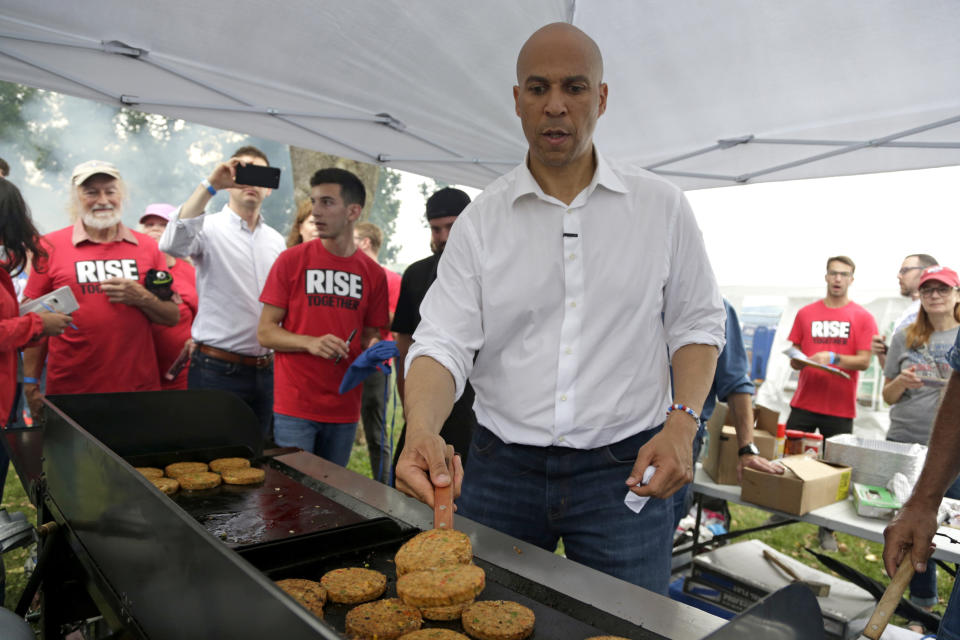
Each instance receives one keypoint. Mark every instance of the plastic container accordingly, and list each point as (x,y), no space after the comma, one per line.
(781,440)
(794,444)
(813,444)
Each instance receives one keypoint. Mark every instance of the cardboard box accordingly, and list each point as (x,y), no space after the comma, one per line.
(806,484)
(766,419)
(721,458)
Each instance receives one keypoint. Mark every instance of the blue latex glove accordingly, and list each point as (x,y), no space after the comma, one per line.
(368,362)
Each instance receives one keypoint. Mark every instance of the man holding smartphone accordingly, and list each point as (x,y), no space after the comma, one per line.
(233,251)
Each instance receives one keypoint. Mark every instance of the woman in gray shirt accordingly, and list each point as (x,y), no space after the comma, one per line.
(914,375)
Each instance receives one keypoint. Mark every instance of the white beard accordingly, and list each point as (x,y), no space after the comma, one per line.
(102,219)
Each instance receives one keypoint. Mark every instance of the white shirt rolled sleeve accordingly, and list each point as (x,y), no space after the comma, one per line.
(570,310)
(232,263)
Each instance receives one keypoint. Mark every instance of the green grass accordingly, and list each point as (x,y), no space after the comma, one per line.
(15,499)
(863,555)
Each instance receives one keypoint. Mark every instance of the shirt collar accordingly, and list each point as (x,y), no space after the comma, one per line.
(124,234)
(604,175)
(240,221)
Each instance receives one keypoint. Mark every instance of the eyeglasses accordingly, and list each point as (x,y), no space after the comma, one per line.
(842,274)
(940,291)
(905,270)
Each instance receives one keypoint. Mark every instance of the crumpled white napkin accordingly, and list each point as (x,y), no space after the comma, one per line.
(634,502)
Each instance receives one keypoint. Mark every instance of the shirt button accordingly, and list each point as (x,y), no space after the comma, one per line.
(573,304)
(569,210)
(568,351)
(573,256)
(561,439)
(563,398)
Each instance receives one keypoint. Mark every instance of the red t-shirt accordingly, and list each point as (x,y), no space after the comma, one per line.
(16,331)
(393,296)
(112,348)
(169,341)
(322,293)
(844,330)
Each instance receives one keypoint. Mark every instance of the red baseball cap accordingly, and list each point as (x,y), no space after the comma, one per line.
(946,275)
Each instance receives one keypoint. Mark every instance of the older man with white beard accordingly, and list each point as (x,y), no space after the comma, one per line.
(104,263)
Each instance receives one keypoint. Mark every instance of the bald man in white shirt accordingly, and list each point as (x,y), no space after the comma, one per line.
(576,283)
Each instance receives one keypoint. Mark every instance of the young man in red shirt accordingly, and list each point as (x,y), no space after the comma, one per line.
(104,263)
(318,295)
(838,332)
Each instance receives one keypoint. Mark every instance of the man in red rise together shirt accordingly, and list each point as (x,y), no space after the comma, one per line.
(838,332)
(324,303)
(104,263)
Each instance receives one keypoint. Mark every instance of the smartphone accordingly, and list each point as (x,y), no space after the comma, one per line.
(254,175)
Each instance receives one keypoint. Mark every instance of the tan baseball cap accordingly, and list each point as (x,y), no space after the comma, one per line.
(85,170)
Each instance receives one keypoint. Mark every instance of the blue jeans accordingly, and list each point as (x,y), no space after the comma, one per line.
(330,440)
(542,494)
(950,623)
(253,385)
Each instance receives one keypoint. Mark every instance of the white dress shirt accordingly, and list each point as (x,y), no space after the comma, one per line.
(572,310)
(232,264)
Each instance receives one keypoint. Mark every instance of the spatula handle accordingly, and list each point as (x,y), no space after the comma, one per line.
(443,504)
(888,602)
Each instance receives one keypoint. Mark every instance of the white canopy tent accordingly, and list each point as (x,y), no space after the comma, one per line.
(706,92)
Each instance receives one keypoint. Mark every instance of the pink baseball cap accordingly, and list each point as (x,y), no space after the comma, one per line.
(946,275)
(159,209)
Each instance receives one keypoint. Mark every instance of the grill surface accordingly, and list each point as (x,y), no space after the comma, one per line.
(278,508)
(373,546)
(308,517)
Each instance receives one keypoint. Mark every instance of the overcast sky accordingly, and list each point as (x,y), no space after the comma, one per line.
(778,234)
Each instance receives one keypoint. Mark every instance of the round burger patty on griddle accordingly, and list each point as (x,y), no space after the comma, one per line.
(199,480)
(498,620)
(449,612)
(441,587)
(382,620)
(310,594)
(243,476)
(168,485)
(354,584)
(178,469)
(434,548)
(150,472)
(221,464)
(434,634)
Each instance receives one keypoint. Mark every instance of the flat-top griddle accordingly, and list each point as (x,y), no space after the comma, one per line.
(203,564)
(278,508)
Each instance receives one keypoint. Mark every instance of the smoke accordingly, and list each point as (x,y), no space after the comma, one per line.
(160,160)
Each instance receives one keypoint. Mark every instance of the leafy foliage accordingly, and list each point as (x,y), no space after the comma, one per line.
(384,210)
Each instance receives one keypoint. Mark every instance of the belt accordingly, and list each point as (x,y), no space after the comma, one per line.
(260,362)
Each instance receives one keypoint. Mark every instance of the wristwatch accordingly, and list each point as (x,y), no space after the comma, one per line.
(748,449)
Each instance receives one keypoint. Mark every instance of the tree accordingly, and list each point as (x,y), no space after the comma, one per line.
(427,190)
(384,210)
(20,135)
(45,134)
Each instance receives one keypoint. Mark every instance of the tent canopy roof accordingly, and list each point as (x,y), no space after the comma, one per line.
(707,93)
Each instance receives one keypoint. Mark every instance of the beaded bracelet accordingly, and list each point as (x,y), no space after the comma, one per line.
(29,380)
(683,407)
